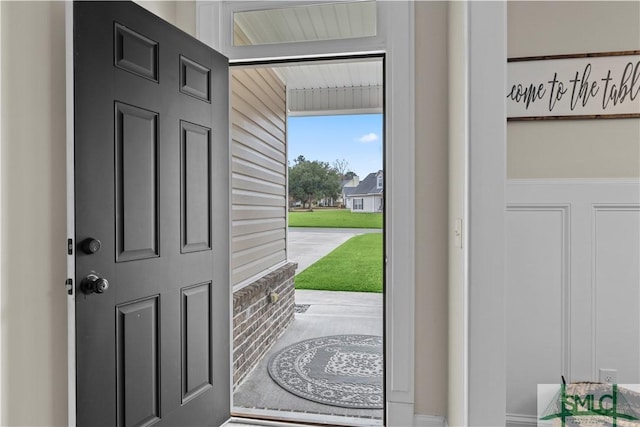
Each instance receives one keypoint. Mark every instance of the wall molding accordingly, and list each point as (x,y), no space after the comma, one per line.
(565,329)
(597,208)
(573,181)
(538,280)
(521,420)
(429,421)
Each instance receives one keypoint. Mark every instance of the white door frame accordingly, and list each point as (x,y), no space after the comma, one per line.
(477,141)
(71,220)
(395,38)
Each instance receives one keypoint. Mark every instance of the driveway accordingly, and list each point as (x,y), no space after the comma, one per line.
(308,245)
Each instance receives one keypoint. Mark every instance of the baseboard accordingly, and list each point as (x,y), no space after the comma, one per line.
(429,421)
(519,420)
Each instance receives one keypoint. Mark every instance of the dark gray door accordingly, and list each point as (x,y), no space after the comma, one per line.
(151,243)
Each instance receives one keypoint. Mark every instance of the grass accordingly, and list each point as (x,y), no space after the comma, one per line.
(335,218)
(354,266)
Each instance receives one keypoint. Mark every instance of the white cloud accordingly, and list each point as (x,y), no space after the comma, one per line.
(370,137)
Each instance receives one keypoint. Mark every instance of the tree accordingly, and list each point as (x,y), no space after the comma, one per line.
(349,175)
(312,180)
(341,167)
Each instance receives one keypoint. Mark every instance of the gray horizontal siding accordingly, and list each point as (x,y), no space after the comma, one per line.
(259,225)
(258,173)
(240,213)
(259,265)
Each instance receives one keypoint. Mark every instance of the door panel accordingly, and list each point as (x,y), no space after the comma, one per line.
(138,374)
(196,348)
(136,183)
(195,188)
(152,186)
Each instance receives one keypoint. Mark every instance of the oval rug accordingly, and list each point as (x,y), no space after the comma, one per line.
(339,370)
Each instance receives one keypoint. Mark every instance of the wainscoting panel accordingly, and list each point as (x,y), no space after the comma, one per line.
(616,279)
(537,265)
(573,285)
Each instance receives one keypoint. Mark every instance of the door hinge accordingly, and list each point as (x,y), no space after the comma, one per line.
(69,246)
(69,286)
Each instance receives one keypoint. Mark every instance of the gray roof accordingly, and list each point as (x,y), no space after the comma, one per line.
(368,186)
(348,190)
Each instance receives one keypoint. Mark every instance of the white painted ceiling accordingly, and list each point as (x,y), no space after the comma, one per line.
(332,75)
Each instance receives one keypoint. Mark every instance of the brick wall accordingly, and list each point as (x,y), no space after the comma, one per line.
(257,321)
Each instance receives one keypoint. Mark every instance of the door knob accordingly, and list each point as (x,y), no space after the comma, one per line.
(94,284)
(91,246)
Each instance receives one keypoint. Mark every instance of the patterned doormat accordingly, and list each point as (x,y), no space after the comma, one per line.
(340,370)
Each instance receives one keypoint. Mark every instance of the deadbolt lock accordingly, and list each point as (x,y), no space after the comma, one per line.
(91,246)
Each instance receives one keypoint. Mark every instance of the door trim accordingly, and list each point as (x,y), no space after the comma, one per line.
(396,40)
(71,264)
(477,129)
(291,417)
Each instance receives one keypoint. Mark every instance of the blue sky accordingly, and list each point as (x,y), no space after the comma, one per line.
(355,138)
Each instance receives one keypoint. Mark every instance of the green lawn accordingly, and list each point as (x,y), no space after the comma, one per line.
(335,218)
(354,266)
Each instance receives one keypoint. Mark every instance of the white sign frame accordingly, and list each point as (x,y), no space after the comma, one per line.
(583,86)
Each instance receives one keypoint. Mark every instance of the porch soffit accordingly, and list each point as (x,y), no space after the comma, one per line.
(337,87)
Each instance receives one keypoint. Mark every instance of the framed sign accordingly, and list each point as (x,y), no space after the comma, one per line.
(587,86)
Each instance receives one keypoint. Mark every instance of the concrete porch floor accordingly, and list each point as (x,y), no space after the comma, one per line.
(330,313)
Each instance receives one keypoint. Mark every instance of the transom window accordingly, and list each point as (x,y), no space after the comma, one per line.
(333,21)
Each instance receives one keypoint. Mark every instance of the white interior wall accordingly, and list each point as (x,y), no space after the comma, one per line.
(1,194)
(33,330)
(573,149)
(182,14)
(432,195)
(164,9)
(457,398)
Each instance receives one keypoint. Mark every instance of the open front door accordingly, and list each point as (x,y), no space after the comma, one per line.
(152,218)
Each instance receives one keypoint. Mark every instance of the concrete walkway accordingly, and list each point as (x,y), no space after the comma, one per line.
(308,245)
(329,313)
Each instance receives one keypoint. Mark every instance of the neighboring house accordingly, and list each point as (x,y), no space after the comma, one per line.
(327,202)
(346,200)
(348,186)
(368,196)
